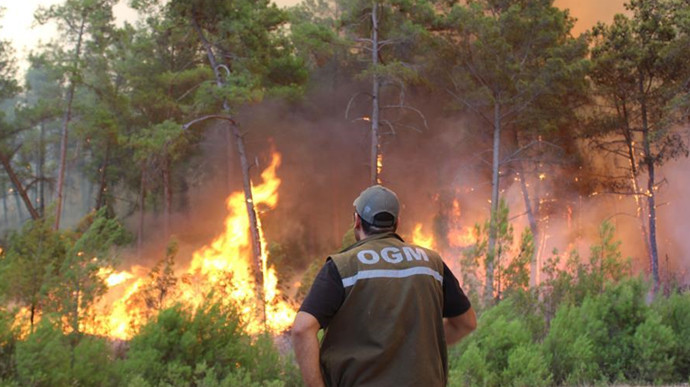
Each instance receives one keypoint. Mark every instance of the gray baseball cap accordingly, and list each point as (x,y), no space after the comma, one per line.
(376,200)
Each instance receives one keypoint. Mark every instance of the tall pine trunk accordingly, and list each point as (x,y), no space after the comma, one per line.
(651,182)
(19,187)
(142,205)
(531,209)
(167,198)
(41,170)
(493,226)
(375,137)
(246,180)
(65,125)
(103,184)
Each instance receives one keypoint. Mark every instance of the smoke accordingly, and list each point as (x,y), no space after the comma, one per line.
(589,12)
(673,214)
(326,164)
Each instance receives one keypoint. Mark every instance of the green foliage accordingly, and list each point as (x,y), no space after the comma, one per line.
(516,274)
(8,83)
(571,352)
(500,351)
(207,345)
(44,357)
(526,367)
(588,323)
(89,249)
(675,313)
(653,350)
(49,358)
(596,340)
(31,265)
(8,342)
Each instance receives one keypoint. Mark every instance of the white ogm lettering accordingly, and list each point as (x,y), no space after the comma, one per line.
(368,257)
(416,253)
(391,254)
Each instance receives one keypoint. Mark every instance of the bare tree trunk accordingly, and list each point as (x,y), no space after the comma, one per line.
(632,158)
(493,227)
(531,218)
(228,159)
(21,191)
(167,198)
(41,172)
(533,226)
(100,199)
(5,208)
(651,196)
(65,125)
(246,181)
(142,205)
(20,211)
(375,145)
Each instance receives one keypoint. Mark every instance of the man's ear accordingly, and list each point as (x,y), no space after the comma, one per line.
(358,221)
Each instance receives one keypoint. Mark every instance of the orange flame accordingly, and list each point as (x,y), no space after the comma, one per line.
(420,238)
(379,164)
(225,267)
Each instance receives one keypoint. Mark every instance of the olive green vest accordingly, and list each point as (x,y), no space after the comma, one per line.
(389,330)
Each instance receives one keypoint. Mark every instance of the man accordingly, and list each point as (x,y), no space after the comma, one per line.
(389,308)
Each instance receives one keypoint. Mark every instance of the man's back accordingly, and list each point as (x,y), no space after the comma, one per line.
(389,329)
(389,308)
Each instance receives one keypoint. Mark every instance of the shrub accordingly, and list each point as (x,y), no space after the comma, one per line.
(482,358)
(469,369)
(43,359)
(205,347)
(8,342)
(526,367)
(675,313)
(654,347)
(47,357)
(596,341)
(569,350)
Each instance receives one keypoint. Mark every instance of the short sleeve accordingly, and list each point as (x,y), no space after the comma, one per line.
(326,295)
(455,302)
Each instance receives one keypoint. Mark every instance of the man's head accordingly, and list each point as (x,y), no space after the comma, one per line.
(377,208)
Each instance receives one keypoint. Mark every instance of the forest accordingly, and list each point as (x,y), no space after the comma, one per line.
(170,185)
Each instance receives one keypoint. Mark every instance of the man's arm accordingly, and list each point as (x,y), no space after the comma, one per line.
(306,345)
(460,326)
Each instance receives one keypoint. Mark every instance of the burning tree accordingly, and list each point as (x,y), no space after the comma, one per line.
(503,59)
(641,76)
(393,35)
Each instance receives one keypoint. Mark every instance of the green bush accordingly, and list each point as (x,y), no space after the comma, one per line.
(569,350)
(8,342)
(206,347)
(675,313)
(596,340)
(469,369)
(483,357)
(654,348)
(47,357)
(43,358)
(526,367)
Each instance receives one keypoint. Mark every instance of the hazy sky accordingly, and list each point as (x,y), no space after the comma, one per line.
(16,25)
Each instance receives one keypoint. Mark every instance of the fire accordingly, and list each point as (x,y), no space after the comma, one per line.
(420,238)
(462,237)
(225,266)
(113,279)
(456,235)
(379,164)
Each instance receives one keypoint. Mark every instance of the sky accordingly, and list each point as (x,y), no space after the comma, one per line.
(17,25)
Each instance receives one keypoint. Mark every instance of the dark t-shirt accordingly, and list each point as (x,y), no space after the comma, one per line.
(327,295)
